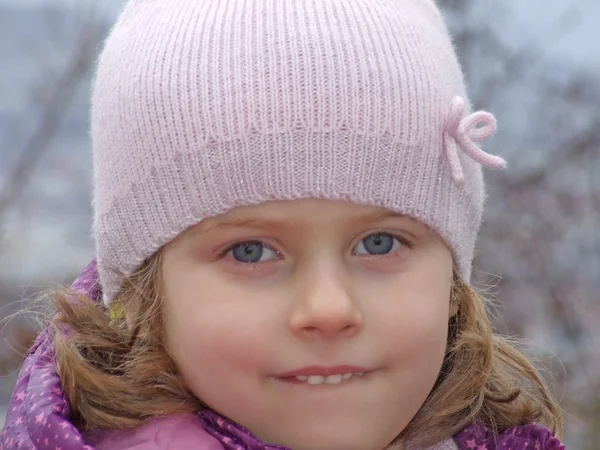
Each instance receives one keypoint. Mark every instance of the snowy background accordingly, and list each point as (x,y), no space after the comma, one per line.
(534,63)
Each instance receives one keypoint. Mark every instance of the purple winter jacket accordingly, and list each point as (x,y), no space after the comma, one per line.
(38,417)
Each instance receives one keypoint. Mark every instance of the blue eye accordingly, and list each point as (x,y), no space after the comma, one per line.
(377,244)
(252,252)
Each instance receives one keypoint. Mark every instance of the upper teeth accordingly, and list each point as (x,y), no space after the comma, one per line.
(331,379)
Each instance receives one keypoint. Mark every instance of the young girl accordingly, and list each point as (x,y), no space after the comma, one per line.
(287,198)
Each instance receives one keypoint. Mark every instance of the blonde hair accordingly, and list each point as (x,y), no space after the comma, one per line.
(117,372)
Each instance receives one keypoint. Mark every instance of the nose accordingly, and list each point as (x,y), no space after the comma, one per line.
(324,307)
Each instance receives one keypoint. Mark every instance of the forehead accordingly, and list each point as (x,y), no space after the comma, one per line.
(304,213)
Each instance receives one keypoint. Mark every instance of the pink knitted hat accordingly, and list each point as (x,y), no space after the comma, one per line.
(202,105)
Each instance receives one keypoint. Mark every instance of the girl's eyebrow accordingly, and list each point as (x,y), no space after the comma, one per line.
(269,224)
(263,224)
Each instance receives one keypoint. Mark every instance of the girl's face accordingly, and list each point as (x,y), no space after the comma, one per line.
(316,324)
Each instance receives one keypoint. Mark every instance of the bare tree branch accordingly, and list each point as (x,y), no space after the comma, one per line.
(51,118)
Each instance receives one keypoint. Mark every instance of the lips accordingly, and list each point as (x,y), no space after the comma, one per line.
(316,375)
(324,371)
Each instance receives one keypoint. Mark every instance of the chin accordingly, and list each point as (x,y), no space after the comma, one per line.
(331,443)
(339,438)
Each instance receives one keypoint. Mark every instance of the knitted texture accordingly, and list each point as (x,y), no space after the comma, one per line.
(202,105)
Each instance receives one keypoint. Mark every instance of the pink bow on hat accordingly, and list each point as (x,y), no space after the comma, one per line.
(466,132)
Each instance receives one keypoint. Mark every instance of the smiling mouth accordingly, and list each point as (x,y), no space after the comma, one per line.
(321,379)
(323,375)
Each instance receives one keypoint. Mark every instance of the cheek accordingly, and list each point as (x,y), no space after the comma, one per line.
(417,332)
(214,332)
(413,334)
(413,313)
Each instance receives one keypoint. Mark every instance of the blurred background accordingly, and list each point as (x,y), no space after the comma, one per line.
(534,63)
